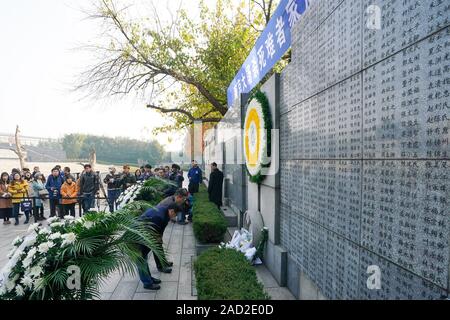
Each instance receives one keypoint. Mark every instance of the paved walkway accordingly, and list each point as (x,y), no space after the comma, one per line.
(179,243)
(180,247)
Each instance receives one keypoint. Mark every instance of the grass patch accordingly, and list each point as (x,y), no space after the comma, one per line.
(225,274)
(209,224)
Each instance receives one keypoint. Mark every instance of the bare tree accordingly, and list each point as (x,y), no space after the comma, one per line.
(19,150)
(92,157)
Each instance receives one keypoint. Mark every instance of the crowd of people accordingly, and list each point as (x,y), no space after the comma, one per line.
(25,192)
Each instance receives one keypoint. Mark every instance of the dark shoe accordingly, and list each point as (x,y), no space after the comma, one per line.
(152,286)
(170,263)
(165,270)
(156,281)
(43,218)
(16,223)
(26,222)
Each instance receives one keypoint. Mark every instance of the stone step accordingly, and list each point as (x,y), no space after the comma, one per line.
(230,216)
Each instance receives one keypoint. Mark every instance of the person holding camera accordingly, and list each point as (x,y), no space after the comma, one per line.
(112,180)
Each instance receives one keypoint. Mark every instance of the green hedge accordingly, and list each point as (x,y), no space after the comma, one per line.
(225,274)
(208,222)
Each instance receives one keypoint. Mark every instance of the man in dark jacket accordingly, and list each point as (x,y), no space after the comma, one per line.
(53,186)
(179,198)
(147,173)
(89,186)
(195,176)
(215,185)
(127,179)
(176,176)
(159,217)
(112,181)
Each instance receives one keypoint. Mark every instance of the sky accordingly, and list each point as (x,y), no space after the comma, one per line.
(39,63)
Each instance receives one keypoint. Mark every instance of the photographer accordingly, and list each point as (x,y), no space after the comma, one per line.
(127,179)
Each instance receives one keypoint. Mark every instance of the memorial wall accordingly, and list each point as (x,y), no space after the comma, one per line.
(365,150)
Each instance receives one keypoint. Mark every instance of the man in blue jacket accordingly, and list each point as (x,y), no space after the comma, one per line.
(53,186)
(159,217)
(195,176)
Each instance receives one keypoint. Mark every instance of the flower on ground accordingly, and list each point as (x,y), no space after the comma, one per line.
(44,247)
(29,241)
(33,227)
(19,290)
(88,224)
(44,231)
(35,272)
(52,219)
(27,281)
(69,217)
(55,235)
(56,224)
(69,238)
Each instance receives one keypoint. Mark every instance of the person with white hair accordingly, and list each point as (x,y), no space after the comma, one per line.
(112,180)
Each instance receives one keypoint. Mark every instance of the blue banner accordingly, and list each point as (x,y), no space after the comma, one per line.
(270,47)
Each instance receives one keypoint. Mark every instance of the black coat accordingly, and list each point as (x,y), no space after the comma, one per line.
(215,187)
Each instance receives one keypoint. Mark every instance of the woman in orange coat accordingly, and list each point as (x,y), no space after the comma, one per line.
(69,194)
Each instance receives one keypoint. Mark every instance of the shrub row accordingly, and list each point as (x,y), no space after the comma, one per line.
(225,274)
(209,224)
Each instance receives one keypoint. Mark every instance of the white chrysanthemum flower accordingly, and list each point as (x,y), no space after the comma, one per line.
(29,242)
(56,224)
(69,217)
(52,219)
(69,238)
(27,262)
(17,255)
(44,231)
(17,241)
(11,283)
(31,253)
(88,224)
(35,271)
(27,281)
(41,262)
(33,227)
(44,247)
(55,235)
(19,291)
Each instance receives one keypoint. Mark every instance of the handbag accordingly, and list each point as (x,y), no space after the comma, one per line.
(26,205)
(43,194)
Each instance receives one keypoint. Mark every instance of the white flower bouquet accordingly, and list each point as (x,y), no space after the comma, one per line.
(40,263)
